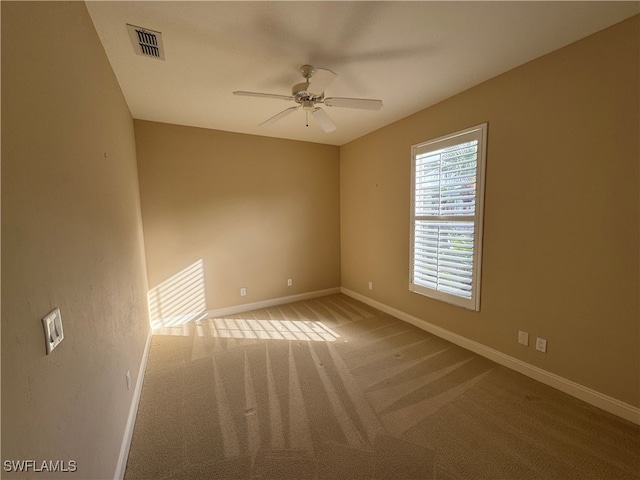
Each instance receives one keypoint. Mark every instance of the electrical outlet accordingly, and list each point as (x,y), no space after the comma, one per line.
(243,292)
(523,338)
(370,285)
(289,282)
(541,345)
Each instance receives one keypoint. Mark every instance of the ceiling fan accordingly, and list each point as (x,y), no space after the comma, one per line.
(310,93)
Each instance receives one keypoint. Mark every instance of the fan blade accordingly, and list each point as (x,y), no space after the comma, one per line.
(280,115)
(323,120)
(320,80)
(362,103)
(263,95)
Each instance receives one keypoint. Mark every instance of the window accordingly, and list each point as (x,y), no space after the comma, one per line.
(446,217)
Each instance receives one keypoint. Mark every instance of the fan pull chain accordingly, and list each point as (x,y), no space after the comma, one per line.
(307,113)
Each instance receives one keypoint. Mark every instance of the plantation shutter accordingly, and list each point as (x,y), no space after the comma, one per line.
(446,211)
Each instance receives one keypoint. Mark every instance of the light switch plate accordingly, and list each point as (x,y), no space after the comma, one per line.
(53,333)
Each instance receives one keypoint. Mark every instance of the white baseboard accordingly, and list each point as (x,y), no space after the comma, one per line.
(133,410)
(246,307)
(586,394)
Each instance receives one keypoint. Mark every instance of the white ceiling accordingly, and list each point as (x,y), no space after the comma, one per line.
(409,54)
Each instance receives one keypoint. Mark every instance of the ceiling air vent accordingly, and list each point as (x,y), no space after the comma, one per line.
(146,42)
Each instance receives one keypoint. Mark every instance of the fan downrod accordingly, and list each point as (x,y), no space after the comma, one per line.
(299,91)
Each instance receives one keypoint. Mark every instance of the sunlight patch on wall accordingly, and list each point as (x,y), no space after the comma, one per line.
(179,299)
(249,328)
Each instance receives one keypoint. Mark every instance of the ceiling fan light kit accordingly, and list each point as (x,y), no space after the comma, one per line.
(311,92)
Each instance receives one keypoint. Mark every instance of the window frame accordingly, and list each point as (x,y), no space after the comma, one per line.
(479,133)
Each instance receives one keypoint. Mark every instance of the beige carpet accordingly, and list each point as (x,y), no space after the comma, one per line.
(331,388)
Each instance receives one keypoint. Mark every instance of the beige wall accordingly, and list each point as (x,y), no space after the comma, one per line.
(244,211)
(561,229)
(71,238)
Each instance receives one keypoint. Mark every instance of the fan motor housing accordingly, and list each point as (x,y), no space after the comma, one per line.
(299,91)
